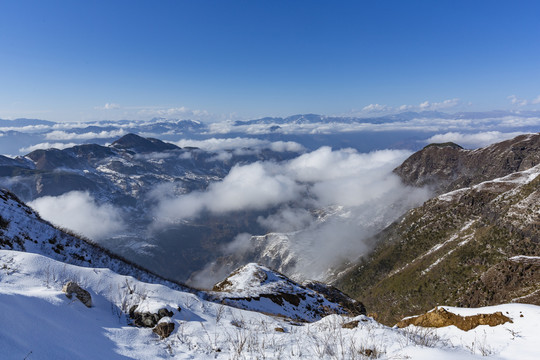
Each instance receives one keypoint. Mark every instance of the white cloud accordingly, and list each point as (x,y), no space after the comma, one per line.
(79,212)
(214,144)
(287,220)
(63,135)
(475,140)
(26,129)
(251,187)
(46,145)
(523,102)
(343,177)
(406,107)
(426,105)
(342,198)
(449,103)
(375,108)
(515,101)
(181,111)
(110,106)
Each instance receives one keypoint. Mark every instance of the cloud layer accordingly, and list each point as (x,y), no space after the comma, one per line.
(78,211)
(214,144)
(327,201)
(46,145)
(473,141)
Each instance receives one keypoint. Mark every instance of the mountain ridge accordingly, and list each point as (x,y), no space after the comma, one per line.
(465,247)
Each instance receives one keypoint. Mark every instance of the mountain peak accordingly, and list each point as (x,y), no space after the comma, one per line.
(257,288)
(442,145)
(447,166)
(138,143)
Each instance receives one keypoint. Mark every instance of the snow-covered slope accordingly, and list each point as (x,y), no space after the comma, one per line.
(40,322)
(22,229)
(258,288)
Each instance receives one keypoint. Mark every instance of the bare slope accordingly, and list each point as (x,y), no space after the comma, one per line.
(475,246)
(446,167)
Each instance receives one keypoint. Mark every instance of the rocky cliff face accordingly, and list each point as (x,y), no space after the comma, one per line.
(446,167)
(478,245)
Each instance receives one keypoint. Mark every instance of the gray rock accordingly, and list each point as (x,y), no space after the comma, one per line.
(73,288)
(148,319)
(164,329)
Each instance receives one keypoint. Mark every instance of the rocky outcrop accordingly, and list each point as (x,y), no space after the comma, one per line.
(446,167)
(148,319)
(73,288)
(255,287)
(440,317)
(333,294)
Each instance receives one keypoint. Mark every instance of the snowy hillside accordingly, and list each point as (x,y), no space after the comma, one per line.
(40,322)
(258,288)
(22,229)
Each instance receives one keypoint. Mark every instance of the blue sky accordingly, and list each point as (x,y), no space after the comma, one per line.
(89,60)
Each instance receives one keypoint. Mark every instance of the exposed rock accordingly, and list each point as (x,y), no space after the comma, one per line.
(440,317)
(164,329)
(350,324)
(280,329)
(353,307)
(163,312)
(73,288)
(148,319)
(251,286)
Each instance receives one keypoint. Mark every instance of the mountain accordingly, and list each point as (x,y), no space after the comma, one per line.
(446,167)
(22,229)
(41,322)
(24,122)
(258,288)
(475,246)
(139,144)
(126,175)
(138,315)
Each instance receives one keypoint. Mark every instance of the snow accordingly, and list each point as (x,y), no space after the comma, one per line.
(524,257)
(257,288)
(517,178)
(40,322)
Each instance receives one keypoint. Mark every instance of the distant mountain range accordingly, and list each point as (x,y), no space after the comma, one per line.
(365,133)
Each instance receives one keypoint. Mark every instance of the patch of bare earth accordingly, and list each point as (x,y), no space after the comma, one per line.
(440,317)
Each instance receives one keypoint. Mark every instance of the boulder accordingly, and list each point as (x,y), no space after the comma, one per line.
(164,329)
(73,288)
